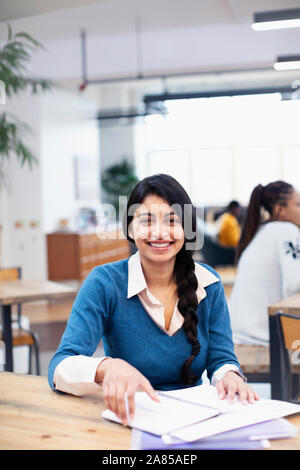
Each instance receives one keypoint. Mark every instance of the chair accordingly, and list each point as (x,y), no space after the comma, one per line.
(215,254)
(285,356)
(22,336)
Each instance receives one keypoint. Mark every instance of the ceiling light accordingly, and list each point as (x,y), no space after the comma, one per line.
(287,63)
(278,19)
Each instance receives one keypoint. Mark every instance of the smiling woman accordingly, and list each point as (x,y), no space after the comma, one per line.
(159,231)
(163,318)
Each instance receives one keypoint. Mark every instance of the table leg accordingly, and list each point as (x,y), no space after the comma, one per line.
(7,337)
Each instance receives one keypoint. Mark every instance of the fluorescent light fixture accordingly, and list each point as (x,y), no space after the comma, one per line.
(287,63)
(278,19)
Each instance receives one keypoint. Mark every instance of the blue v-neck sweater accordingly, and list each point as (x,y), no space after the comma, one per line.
(102,310)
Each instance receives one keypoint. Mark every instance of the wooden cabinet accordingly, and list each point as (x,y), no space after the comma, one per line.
(72,255)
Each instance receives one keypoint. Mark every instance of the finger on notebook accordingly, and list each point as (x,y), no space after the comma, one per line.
(251,396)
(106,395)
(113,398)
(147,387)
(232,389)
(120,400)
(221,389)
(243,394)
(131,389)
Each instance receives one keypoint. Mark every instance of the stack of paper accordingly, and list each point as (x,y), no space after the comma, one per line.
(195,414)
(256,436)
(231,416)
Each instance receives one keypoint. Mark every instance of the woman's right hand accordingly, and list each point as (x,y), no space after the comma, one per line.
(118,378)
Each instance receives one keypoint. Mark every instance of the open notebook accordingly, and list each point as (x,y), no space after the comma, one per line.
(170,414)
(194,413)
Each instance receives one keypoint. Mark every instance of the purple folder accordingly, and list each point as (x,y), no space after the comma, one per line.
(248,437)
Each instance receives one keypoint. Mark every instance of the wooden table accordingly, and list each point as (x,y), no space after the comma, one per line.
(228,275)
(290,305)
(32,416)
(18,292)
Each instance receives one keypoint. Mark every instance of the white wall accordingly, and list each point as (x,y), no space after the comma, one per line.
(21,202)
(62,128)
(69,130)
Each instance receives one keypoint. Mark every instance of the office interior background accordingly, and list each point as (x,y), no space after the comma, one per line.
(185,88)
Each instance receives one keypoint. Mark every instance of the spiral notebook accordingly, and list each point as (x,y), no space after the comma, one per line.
(194,413)
(170,414)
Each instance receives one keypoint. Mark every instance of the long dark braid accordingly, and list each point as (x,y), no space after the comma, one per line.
(187,284)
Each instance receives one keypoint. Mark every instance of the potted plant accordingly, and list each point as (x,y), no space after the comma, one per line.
(15,55)
(118,180)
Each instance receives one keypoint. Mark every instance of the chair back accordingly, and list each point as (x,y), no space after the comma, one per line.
(285,356)
(10,274)
(290,325)
(215,254)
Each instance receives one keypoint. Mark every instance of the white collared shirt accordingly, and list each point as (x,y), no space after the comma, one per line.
(137,286)
(76,374)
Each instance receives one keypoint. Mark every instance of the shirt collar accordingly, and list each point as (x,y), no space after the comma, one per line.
(137,282)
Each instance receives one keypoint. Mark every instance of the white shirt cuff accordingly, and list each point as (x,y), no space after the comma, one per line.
(219,374)
(76,375)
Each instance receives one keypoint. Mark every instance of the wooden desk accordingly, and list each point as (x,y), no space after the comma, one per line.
(32,416)
(18,292)
(228,275)
(72,255)
(290,305)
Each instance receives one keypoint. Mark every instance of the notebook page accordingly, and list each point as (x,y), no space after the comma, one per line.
(207,395)
(268,409)
(273,429)
(164,417)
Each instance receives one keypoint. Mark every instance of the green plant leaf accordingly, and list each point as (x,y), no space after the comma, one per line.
(30,39)
(15,56)
(118,180)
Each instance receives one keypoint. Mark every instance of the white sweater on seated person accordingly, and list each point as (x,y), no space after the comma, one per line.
(268,271)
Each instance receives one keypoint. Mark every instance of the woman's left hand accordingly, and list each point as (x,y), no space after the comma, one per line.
(233,384)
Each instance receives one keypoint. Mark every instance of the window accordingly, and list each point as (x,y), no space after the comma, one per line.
(219,149)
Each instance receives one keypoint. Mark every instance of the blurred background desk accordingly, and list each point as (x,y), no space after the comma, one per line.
(34,417)
(18,292)
(290,305)
(72,255)
(228,275)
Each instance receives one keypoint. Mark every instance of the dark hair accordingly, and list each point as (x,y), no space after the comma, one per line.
(262,196)
(175,195)
(233,205)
